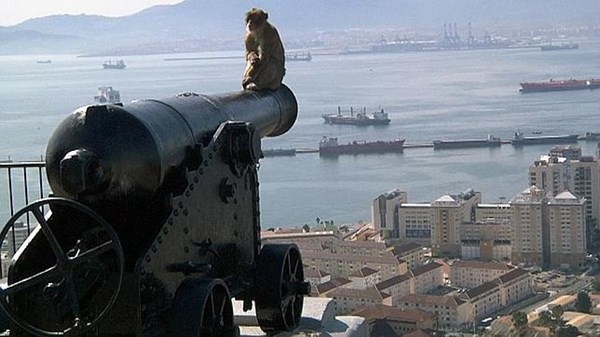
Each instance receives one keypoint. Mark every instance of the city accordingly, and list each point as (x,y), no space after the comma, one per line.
(144,215)
(459,265)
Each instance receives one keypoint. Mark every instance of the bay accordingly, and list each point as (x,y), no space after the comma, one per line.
(436,95)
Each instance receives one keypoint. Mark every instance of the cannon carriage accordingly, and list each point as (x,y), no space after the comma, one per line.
(153,225)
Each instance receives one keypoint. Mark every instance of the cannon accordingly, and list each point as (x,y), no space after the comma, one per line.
(153,223)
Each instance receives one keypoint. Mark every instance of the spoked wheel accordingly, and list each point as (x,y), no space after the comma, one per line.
(280,288)
(79,266)
(202,308)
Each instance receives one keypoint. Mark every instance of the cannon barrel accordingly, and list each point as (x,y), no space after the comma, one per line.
(112,152)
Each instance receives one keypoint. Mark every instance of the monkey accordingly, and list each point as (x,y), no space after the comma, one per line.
(265,56)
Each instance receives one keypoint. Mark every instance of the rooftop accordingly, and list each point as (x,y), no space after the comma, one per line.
(482,265)
(449,301)
(380,311)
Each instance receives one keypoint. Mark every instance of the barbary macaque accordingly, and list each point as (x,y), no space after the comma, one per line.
(265,56)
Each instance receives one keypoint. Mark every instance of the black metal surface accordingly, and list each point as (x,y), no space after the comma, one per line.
(78,268)
(202,307)
(177,181)
(279,287)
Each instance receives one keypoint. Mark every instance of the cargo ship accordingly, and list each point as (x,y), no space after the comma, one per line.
(520,140)
(563,46)
(361,118)
(590,136)
(278,152)
(490,141)
(329,146)
(559,85)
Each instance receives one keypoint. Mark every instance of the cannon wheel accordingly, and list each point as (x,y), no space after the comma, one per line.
(278,298)
(63,269)
(202,308)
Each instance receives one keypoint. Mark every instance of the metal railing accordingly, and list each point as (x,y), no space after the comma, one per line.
(20,184)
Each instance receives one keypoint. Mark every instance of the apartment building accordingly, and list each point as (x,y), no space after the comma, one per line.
(470,274)
(564,168)
(434,224)
(344,265)
(505,290)
(447,217)
(364,278)
(487,239)
(548,231)
(566,223)
(527,221)
(451,311)
(411,252)
(397,287)
(346,300)
(415,223)
(425,278)
(496,212)
(400,321)
(384,212)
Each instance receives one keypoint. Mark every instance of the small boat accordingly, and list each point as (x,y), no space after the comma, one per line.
(360,118)
(298,56)
(44,61)
(329,146)
(107,95)
(118,64)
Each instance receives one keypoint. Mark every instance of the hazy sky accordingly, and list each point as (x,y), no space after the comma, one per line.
(16,11)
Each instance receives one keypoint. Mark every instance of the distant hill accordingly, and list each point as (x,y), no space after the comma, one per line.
(214,24)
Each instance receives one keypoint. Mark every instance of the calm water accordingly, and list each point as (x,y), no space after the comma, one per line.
(440,95)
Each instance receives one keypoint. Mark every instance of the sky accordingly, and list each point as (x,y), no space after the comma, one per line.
(13,12)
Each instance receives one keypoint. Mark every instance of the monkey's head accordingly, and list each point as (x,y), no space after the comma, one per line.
(256,18)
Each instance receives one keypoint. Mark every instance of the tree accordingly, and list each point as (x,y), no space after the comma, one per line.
(596,283)
(557,313)
(567,331)
(519,320)
(583,304)
(545,319)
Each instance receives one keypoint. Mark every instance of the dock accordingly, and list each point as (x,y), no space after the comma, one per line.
(589,136)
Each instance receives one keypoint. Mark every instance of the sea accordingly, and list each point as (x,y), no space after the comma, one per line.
(428,95)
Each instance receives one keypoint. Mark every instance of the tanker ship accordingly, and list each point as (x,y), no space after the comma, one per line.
(559,85)
(329,146)
(490,141)
(360,118)
(520,140)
